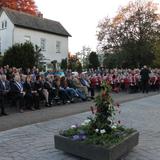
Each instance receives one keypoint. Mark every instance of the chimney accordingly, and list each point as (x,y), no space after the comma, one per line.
(39,14)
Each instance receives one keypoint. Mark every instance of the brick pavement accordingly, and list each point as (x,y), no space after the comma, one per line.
(35,142)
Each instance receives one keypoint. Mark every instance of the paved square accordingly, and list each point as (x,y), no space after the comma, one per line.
(36,142)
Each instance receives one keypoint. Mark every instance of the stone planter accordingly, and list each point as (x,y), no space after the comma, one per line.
(93,152)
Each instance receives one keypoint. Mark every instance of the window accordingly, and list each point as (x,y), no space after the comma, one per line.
(43,44)
(27,38)
(4,24)
(58,47)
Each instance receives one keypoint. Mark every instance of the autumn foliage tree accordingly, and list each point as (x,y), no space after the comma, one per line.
(74,64)
(27,6)
(130,37)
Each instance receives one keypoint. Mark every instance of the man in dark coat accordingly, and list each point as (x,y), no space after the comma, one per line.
(17,92)
(4,89)
(145,79)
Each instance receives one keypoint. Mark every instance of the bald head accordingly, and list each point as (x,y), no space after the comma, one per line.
(3,77)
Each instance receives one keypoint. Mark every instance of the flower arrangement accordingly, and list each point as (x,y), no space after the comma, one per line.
(101,128)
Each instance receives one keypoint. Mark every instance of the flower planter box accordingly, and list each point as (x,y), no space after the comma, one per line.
(95,152)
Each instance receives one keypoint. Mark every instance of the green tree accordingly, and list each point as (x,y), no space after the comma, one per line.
(157,55)
(83,56)
(78,66)
(64,64)
(39,57)
(74,64)
(22,55)
(131,33)
(93,60)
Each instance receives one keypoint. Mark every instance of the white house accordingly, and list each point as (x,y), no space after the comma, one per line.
(19,27)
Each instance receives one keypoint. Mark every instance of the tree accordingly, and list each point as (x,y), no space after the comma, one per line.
(74,64)
(93,60)
(157,55)
(39,57)
(27,6)
(8,3)
(83,56)
(131,33)
(64,64)
(22,55)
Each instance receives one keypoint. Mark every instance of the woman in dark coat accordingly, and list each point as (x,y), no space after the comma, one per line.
(31,95)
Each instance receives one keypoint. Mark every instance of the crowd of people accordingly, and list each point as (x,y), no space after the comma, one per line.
(26,89)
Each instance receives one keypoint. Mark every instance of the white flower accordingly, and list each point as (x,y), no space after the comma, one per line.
(87,121)
(114,126)
(109,105)
(102,131)
(96,130)
(83,124)
(73,126)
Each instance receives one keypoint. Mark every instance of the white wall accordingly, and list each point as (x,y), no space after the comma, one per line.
(6,34)
(50,52)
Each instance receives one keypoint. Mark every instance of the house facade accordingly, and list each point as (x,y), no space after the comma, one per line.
(19,27)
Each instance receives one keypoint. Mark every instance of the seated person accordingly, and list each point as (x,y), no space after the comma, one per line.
(85,82)
(50,89)
(70,91)
(38,87)
(64,96)
(76,82)
(4,90)
(31,95)
(17,92)
(70,84)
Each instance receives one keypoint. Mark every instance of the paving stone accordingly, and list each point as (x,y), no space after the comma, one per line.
(36,142)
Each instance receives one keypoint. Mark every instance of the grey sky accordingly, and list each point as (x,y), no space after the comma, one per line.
(80,17)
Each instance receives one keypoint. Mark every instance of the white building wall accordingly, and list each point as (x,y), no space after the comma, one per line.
(6,34)
(35,37)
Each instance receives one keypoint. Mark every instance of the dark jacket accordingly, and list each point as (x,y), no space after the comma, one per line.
(14,87)
(4,88)
(27,88)
(145,74)
(47,85)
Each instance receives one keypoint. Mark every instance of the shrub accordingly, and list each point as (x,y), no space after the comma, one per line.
(23,55)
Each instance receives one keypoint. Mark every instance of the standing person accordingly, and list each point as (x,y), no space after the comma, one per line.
(145,78)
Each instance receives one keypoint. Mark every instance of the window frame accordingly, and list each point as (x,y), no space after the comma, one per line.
(58,46)
(43,44)
(26,38)
(4,24)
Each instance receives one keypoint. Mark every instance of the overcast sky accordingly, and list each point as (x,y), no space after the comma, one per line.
(80,18)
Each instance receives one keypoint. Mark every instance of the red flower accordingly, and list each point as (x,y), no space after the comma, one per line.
(103,94)
(98,110)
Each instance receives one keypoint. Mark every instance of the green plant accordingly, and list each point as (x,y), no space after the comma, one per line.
(101,128)
(105,109)
(23,52)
